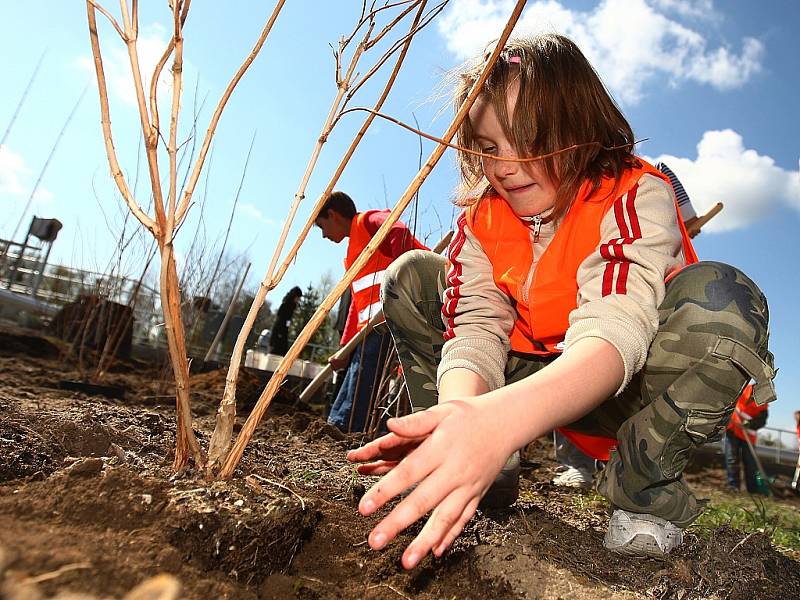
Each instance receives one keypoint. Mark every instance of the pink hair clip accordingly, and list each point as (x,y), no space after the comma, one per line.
(515,60)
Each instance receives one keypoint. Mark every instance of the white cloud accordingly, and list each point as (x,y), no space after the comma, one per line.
(749,184)
(629,42)
(254,213)
(152,42)
(703,9)
(12,170)
(16,181)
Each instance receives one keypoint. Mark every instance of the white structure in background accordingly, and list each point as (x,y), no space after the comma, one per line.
(256,358)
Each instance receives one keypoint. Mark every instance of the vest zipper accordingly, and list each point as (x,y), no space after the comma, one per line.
(529,279)
(537,226)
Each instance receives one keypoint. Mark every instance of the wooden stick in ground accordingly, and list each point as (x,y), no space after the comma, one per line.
(693,226)
(221,438)
(346,350)
(283,368)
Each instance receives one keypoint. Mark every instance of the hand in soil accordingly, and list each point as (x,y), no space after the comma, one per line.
(444,452)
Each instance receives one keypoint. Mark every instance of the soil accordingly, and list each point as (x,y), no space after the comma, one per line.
(89,509)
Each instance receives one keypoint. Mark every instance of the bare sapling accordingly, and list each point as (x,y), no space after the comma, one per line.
(226,414)
(327,304)
(170,209)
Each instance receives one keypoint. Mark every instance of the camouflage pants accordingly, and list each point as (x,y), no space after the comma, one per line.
(712,339)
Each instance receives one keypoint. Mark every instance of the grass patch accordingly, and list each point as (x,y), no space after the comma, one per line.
(781,523)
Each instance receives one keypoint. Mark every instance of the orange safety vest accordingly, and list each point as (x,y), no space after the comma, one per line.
(545,298)
(366,287)
(747,406)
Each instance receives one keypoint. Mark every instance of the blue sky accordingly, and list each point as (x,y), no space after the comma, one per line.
(712,86)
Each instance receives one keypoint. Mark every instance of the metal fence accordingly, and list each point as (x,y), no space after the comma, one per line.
(777,445)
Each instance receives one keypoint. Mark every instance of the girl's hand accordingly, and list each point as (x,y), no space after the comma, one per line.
(453,451)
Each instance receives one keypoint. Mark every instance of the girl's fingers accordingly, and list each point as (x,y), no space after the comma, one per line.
(456,530)
(428,495)
(375,448)
(413,469)
(387,447)
(448,519)
(380,467)
(417,424)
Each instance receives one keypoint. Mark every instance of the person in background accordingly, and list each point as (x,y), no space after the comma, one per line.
(747,417)
(338,220)
(279,338)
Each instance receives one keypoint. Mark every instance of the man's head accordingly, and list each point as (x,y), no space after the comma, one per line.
(335,217)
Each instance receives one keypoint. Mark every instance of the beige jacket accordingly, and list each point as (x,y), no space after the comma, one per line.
(483,316)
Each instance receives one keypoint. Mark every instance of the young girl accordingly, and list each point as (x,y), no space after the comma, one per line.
(567,303)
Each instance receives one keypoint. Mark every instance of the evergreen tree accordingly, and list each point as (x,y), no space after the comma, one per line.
(324,342)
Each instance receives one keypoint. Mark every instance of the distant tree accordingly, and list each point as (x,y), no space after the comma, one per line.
(325,336)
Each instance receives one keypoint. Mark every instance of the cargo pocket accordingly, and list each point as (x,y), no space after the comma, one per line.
(760,370)
(700,426)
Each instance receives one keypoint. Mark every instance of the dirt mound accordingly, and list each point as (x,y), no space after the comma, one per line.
(246,533)
(730,566)
(13,344)
(25,452)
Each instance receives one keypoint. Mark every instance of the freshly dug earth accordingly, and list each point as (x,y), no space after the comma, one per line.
(88,506)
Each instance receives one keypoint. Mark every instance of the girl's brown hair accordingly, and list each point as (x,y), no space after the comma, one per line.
(561,103)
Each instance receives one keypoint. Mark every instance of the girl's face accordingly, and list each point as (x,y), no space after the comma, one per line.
(524,186)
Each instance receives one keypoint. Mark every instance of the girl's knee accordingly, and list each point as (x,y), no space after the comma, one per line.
(412,276)
(725,298)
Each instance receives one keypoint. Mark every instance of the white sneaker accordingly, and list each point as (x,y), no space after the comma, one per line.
(574,477)
(641,535)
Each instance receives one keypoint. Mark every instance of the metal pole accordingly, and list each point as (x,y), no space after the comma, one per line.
(40,273)
(227,317)
(12,273)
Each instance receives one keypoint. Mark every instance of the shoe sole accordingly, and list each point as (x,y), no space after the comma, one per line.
(641,545)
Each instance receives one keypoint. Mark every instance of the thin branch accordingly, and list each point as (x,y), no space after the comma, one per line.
(172,147)
(21,102)
(280,485)
(105,119)
(399,43)
(154,83)
(370,18)
(390,25)
(483,154)
(48,159)
(150,134)
(57,573)
(187,194)
(110,17)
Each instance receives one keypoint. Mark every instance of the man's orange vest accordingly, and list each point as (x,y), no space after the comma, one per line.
(544,301)
(746,406)
(366,287)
